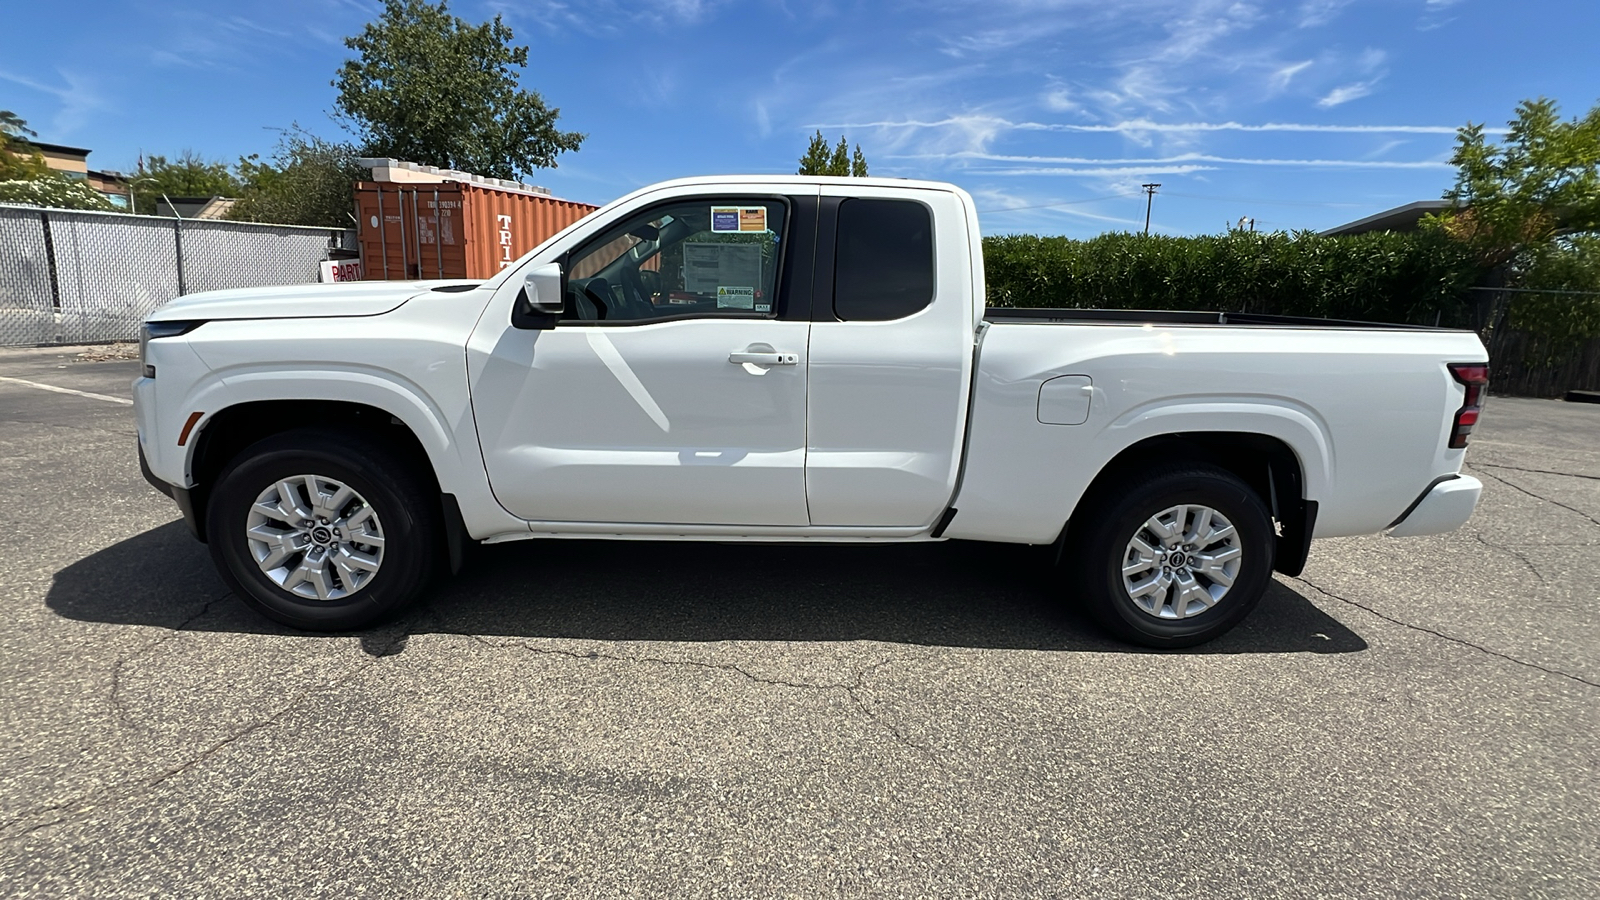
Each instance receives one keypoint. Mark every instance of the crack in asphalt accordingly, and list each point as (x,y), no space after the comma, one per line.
(1512,552)
(850,688)
(1535,496)
(123,790)
(119,710)
(1439,634)
(1484,465)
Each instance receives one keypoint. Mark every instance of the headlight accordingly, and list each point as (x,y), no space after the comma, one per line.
(149,331)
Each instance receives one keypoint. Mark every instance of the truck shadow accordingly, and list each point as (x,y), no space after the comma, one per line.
(954,594)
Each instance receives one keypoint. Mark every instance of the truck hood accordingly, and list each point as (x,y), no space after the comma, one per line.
(297,301)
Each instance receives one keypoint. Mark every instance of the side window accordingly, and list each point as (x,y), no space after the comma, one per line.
(883,265)
(705,256)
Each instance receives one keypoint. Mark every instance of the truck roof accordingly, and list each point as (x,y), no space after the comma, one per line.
(715,181)
(729,180)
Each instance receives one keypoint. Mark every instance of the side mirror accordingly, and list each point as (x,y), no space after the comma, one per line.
(539,302)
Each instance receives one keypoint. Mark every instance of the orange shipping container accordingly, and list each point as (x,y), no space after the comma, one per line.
(452,229)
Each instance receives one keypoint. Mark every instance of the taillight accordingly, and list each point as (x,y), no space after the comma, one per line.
(1476,378)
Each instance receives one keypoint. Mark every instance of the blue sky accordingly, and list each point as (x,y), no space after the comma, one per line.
(1300,114)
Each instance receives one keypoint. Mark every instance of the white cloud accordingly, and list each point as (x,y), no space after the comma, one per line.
(1101,171)
(1059,99)
(79,101)
(993,201)
(952,134)
(1320,12)
(1345,93)
(604,18)
(1281,78)
(1188,158)
(1387,146)
(1146,125)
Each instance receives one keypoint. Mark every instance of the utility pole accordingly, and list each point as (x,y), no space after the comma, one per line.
(1150,197)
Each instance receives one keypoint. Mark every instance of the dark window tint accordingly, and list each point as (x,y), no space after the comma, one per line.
(884,264)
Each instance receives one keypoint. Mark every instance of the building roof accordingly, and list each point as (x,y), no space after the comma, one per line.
(1401,218)
(195,207)
(59,148)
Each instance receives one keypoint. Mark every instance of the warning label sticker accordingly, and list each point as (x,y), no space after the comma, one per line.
(735,297)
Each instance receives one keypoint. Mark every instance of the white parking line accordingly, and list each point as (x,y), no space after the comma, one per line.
(61,390)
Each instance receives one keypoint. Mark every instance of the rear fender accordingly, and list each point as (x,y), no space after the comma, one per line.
(1023,489)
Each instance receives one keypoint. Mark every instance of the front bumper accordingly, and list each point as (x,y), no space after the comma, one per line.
(181,496)
(1444,507)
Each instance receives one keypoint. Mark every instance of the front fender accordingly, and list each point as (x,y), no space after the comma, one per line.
(447,435)
(383,390)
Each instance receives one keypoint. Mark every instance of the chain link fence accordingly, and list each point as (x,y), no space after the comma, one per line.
(70,277)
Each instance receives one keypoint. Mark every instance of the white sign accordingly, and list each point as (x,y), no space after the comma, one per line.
(340,270)
(707,264)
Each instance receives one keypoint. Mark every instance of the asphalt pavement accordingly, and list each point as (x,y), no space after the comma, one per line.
(599,719)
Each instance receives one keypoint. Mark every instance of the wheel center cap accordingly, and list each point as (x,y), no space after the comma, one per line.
(1177,560)
(321,534)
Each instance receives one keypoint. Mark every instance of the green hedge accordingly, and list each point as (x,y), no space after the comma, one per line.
(1419,278)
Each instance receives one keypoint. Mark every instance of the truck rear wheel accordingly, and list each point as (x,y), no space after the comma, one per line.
(323,530)
(1176,561)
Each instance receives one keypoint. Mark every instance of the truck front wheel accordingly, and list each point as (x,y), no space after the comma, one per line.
(1177,560)
(322,530)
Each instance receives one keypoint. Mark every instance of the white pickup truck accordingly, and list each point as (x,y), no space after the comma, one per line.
(788,359)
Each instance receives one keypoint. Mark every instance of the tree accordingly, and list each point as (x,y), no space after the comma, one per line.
(1526,210)
(24,177)
(819,160)
(428,87)
(54,191)
(310,181)
(19,160)
(188,175)
(1511,200)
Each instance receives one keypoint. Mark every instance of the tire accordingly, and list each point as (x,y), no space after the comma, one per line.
(1209,587)
(351,566)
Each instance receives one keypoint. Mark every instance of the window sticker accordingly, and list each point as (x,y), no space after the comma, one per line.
(735,297)
(729,219)
(707,264)
(753,218)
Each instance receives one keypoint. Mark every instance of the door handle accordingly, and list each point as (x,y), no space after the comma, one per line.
(764,359)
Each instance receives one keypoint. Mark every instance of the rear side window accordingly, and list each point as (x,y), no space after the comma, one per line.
(884,260)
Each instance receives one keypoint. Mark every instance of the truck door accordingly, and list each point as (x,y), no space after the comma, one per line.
(891,356)
(672,390)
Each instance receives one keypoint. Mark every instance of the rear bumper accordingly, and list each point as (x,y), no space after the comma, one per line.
(181,496)
(1444,507)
